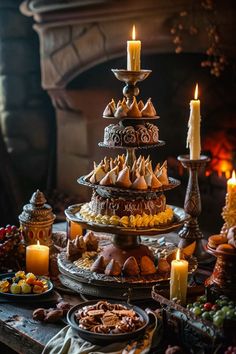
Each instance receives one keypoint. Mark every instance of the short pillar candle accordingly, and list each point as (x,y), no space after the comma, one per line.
(179,279)
(37,259)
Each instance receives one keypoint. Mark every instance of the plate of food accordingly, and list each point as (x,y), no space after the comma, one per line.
(23,285)
(103,322)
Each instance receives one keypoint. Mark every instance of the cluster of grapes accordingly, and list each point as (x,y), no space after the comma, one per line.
(12,250)
(217,312)
(230,350)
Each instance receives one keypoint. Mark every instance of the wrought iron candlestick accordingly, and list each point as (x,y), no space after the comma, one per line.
(192,205)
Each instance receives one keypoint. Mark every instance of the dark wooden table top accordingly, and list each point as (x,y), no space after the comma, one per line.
(21,333)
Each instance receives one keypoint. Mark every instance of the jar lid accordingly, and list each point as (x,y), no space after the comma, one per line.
(37,210)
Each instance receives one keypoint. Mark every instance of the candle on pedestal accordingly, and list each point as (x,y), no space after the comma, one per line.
(231,190)
(133,53)
(179,279)
(193,138)
(37,259)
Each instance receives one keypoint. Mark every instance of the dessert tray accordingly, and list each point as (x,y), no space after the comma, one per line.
(180,216)
(78,276)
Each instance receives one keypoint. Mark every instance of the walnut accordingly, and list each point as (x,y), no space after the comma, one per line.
(64,306)
(39,314)
(53,316)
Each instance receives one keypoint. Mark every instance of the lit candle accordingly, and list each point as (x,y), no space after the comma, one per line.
(193,138)
(179,279)
(37,259)
(231,189)
(133,53)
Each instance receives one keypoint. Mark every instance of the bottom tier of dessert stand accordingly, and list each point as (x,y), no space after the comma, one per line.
(124,243)
(86,282)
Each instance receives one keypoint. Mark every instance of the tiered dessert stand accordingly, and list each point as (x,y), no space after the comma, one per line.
(125,241)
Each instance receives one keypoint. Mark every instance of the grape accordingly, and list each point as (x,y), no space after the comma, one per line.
(15,288)
(197,311)
(202,298)
(206,316)
(218,320)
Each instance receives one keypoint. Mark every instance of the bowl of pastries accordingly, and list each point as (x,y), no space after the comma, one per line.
(223,244)
(102,322)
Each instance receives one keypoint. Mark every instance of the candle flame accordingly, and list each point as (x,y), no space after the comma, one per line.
(133,33)
(178,255)
(233,177)
(196,92)
(38,243)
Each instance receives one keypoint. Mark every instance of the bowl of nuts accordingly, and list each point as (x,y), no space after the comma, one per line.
(102,322)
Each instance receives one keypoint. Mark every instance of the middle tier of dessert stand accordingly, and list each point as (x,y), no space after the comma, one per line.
(123,211)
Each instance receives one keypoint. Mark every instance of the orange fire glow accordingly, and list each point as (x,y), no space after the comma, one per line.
(221,154)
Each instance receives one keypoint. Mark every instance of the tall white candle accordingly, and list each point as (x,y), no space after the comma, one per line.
(133,53)
(193,138)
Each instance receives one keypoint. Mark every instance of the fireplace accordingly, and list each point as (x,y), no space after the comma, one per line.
(80,43)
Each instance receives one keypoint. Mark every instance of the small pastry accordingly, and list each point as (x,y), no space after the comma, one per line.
(91,241)
(142,167)
(155,182)
(147,266)
(106,181)
(99,173)
(162,176)
(131,267)
(148,110)
(225,247)
(121,110)
(123,179)
(157,169)
(72,251)
(134,110)
(163,266)
(113,268)
(80,244)
(113,174)
(110,109)
(215,240)
(140,105)
(139,183)
(99,265)
(189,250)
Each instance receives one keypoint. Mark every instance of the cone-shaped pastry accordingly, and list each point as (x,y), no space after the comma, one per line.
(72,251)
(148,179)
(155,183)
(139,183)
(142,167)
(91,241)
(139,159)
(163,266)
(133,171)
(113,174)
(148,110)
(99,265)
(113,268)
(106,164)
(106,181)
(151,104)
(118,104)
(134,110)
(162,176)
(147,266)
(140,105)
(92,179)
(80,244)
(123,179)
(110,109)
(122,110)
(149,167)
(157,169)
(131,267)
(99,173)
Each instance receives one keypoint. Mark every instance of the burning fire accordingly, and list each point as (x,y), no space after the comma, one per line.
(221,151)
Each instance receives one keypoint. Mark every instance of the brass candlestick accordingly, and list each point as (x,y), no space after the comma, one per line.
(192,205)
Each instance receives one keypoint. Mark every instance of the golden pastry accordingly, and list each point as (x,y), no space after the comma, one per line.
(140,105)
(106,181)
(134,110)
(148,110)
(225,247)
(110,109)
(91,241)
(215,240)
(147,266)
(155,183)
(99,265)
(123,179)
(163,266)
(113,268)
(162,175)
(139,183)
(131,267)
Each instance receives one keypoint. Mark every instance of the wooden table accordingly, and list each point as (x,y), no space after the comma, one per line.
(21,333)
